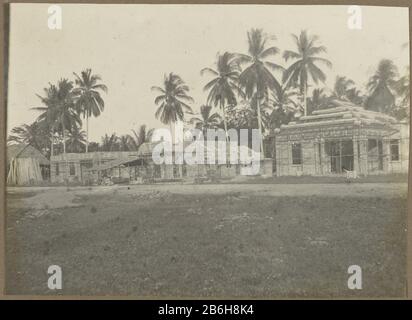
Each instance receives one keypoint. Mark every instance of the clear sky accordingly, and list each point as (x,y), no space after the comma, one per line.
(133,46)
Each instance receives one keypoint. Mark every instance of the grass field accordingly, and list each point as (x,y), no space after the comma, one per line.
(243,240)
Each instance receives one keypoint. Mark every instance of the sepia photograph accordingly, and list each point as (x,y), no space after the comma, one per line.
(207,151)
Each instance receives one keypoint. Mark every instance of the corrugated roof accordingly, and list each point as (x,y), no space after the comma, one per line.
(25,151)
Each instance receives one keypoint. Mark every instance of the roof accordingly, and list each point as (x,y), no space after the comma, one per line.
(111,164)
(342,112)
(146,149)
(25,151)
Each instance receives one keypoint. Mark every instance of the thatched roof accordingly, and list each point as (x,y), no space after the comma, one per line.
(25,151)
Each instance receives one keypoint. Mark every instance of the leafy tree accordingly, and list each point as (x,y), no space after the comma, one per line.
(402,88)
(381,86)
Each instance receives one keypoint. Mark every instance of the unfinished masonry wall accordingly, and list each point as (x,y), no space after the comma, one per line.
(316,157)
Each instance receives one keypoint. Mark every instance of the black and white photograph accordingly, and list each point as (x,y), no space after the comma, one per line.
(213,151)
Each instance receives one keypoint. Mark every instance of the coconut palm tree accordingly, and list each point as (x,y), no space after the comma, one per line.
(223,86)
(305,66)
(256,78)
(90,102)
(381,86)
(76,140)
(173,100)
(141,136)
(59,112)
(206,120)
(48,117)
(68,118)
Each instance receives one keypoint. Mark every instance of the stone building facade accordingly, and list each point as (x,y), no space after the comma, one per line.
(340,139)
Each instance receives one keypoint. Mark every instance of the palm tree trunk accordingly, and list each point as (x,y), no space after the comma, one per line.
(222,106)
(64,150)
(87,132)
(64,138)
(172,134)
(51,145)
(304,98)
(260,125)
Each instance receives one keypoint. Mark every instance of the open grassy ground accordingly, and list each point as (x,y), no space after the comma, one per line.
(244,240)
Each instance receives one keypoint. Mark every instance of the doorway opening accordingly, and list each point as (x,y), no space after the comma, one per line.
(341,155)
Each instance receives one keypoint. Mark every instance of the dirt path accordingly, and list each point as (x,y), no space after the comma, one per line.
(60,197)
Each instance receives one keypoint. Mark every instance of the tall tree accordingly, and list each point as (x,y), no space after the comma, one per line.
(381,86)
(256,79)
(90,102)
(173,100)
(223,86)
(48,117)
(306,57)
(59,111)
(206,119)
